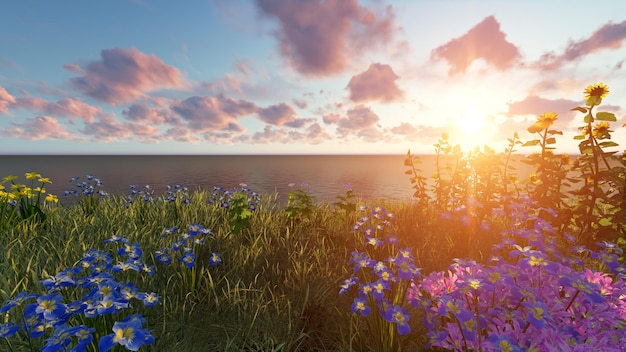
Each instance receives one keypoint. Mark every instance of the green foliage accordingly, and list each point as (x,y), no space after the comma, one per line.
(587,191)
(239,212)
(345,204)
(300,204)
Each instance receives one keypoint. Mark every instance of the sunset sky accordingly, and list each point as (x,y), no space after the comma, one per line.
(299,76)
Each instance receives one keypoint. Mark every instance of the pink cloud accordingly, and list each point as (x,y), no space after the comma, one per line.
(107,129)
(358,118)
(67,107)
(377,83)
(535,105)
(213,113)
(484,41)
(281,114)
(181,134)
(141,112)
(122,76)
(6,99)
(40,127)
(331,118)
(608,37)
(313,134)
(323,37)
(73,68)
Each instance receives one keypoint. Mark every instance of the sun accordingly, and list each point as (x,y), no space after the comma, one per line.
(471,129)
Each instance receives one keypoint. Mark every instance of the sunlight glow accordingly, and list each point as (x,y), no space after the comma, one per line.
(472,129)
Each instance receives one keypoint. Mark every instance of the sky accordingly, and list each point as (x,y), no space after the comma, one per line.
(301,76)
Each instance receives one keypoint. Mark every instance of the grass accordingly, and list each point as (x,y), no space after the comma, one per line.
(276,289)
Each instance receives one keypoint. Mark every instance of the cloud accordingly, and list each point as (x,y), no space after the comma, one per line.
(281,114)
(67,107)
(535,105)
(610,36)
(323,37)
(377,83)
(358,118)
(141,112)
(107,129)
(213,113)
(122,76)
(484,41)
(6,99)
(40,127)
(314,134)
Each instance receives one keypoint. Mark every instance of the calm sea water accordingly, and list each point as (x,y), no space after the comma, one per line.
(325,176)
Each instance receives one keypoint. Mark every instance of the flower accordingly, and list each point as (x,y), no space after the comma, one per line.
(595,92)
(215,258)
(128,333)
(189,259)
(51,198)
(601,130)
(543,122)
(50,306)
(400,317)
(359,306)
(32,175)
(8,330)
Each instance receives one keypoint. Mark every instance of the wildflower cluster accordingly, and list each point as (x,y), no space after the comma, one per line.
(79,302)
(240,203)
(184,249)
(177,192)
(534,297)
(146,195)
(21,201)
(89,192)
(381,273)
(173,193)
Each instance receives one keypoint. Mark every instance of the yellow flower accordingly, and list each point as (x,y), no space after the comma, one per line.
(44,180)
(32,175)
(40,190)
(51,198)
(595,92)
(9,179)
(601,130)
(543,122)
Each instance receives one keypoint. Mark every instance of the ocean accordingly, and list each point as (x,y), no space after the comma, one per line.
(326,176)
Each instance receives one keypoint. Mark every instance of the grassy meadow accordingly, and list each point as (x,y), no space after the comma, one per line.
(478,260)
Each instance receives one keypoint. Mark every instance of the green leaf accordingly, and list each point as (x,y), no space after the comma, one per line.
(555,132)
(608,144)
(588,118)
(531,143)
(580,108)
(606,116)
(579,137)
(550,141)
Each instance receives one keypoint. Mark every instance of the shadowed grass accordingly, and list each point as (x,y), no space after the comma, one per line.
(276,289)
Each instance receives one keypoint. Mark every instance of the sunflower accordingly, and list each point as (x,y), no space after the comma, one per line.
(595,92)
(601,130)
(543,121)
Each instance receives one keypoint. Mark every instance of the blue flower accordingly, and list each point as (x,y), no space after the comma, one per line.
(215,258)
(189,259)
(17,300)
(149,299)
(400,317)
(128,333)
(8,329)
(359,306)
(50,306)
